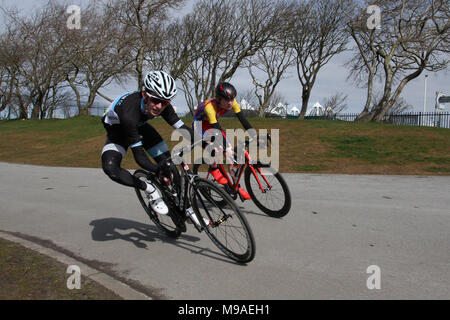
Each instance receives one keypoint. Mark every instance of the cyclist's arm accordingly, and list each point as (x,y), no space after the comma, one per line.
(142,159)
(172,119)
(244,121)
(240,115)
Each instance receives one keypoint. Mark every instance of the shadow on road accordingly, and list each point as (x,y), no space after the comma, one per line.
(140,234)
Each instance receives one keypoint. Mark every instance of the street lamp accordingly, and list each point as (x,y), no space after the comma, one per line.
(425,99)
(425,95)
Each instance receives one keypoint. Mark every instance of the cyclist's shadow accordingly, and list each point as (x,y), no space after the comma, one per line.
(137,233)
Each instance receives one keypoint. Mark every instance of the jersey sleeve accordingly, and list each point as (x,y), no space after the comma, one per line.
(210,113)
(236,107)
(171,117)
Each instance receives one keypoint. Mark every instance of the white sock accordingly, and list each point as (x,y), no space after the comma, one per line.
(150,188)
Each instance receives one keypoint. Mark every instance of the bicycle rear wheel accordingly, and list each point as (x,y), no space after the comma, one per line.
(275,198)
(166,223)
(229,229)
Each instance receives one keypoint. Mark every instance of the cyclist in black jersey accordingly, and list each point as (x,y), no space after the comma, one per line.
(126,125)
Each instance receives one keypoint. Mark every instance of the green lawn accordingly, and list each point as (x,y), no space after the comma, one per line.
(305,146)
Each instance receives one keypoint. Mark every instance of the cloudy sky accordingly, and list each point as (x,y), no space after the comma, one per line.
(331,79)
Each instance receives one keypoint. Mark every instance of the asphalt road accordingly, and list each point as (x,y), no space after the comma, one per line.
(338,227)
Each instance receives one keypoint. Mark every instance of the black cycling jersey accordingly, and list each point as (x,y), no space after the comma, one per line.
(126,126)
(125,115)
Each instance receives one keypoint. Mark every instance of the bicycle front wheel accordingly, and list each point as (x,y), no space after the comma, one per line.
(165,223)
(268,190)
(228,228)
(202,172)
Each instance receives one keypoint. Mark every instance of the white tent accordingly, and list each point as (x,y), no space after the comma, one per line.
(316,110)
(294,111)
(280,109)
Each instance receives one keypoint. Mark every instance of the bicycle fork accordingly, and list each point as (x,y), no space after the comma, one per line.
(263,190)
(213,224)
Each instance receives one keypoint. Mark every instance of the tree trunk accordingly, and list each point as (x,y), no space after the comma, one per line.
(364,116)
(139,68)
(305,100)
(382,107)
(83,112)
(22,113)
(89,103)
(37,106)
(23,108)
(262,111)
(76,91)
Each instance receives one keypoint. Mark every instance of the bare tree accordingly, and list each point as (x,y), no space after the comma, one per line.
(335,104)
(230,32)
(364,63)
(144,20)
(38,69)
(10,57)
(414,36)
(181,49)
(214,38)
(317,35)
(272,61)
(98,54)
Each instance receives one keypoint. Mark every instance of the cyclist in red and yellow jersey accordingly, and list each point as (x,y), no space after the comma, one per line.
(206,116)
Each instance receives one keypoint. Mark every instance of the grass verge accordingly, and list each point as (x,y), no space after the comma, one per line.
(29,275)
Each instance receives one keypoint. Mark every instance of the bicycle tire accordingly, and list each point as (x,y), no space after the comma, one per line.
(211,178)
(255,192)
(166,223)
(227,221)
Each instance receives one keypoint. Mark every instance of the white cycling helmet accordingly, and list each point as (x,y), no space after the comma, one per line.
(161,84)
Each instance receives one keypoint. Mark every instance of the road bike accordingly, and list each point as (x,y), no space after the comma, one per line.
(265,185)
(185,191)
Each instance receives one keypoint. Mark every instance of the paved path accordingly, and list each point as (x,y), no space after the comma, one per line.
(339,225)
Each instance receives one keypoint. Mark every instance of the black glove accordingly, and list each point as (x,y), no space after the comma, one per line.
(165,167)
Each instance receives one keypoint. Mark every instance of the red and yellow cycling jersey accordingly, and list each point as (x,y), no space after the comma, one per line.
(208,112)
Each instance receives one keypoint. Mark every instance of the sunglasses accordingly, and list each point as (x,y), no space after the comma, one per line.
(157,100)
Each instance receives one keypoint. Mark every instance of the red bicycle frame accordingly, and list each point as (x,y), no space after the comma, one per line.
(240,170)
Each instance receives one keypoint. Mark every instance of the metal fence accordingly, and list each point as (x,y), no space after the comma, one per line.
(425,119)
